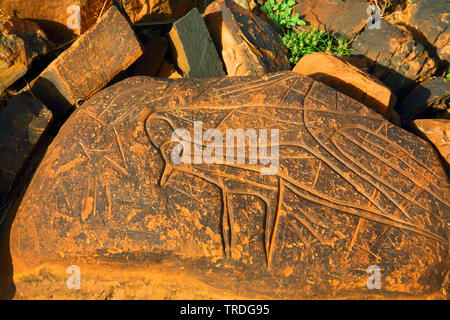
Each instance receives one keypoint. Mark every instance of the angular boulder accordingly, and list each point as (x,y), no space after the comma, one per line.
(193,49)
(89,64)
(21,42)
(349,191)
(141,11)
(430,19)
(60,19)
(167,70)
(22,123)
(248,45)
(346,78)
(394,56)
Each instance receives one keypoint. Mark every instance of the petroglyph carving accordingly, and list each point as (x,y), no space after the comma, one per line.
(351,190)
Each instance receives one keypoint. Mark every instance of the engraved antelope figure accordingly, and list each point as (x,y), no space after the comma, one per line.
(341,148)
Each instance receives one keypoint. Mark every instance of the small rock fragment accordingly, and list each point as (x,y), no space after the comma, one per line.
(193,48)
(248,45)
(166,70)
(346,78)
(22,122)
(21,42)
(432,95)
(89,64)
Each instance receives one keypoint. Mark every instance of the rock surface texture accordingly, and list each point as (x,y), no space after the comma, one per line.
(351,190)
(430,19)
(156,10)
(248,45)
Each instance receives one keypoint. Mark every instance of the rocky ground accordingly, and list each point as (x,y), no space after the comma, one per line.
(54,55)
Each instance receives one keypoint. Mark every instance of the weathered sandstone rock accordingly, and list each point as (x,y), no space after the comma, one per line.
(167,70)
(344,17)
(21,42)
(350,190)
(430,20)
(89,64)
(248,45)
(156,10)
(394,56)
(60,19)
(22,123)
(346,78)
(193,48)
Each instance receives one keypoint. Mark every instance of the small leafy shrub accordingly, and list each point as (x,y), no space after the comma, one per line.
(302,43)
(280,12)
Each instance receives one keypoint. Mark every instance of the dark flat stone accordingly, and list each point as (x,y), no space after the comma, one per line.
(22,123)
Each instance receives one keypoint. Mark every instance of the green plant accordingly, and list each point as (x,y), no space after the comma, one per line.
(280,12)
(302,43)
(447,74)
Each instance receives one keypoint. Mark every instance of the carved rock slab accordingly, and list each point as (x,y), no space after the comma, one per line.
(351,191)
